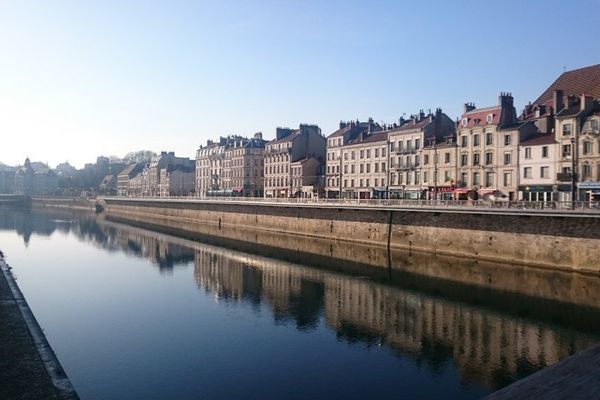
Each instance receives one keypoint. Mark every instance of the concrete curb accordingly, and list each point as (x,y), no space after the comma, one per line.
(55,371)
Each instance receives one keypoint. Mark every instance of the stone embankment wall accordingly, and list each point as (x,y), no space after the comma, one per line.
(70,203)
(561,241)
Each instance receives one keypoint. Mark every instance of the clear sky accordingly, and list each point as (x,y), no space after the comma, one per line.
(80,79)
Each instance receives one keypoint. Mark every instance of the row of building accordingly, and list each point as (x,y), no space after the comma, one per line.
(548,152)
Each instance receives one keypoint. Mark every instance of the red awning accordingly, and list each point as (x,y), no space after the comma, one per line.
(462,191)
(486,191)
(237,189)
(442,189)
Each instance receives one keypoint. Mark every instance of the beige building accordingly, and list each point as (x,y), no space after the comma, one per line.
(210,166)
(288,147)
(243,170)
(589,157)
(440,161)
(538,167)
(488,140)
(406,143)
(177,180)
(349,150)
(124,177)
(166,160)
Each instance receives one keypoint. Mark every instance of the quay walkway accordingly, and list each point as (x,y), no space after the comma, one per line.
(576,377)
(29,368)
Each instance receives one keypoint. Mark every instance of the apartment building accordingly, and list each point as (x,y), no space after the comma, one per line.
(488,140)
(538,167)
(210,166)
(243,167)
(166,160)
(406,141)
(288,147)
(343,163)
(440,162)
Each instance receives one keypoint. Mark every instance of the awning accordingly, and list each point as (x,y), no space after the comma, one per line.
(462,191)
(483,192)
(443,189)
(237,189)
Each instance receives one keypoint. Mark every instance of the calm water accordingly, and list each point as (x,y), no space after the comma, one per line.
(135,314)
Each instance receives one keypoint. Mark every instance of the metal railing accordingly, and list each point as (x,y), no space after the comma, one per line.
(528,206)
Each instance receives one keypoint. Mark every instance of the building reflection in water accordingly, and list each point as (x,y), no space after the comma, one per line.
(485,346)
(492,347)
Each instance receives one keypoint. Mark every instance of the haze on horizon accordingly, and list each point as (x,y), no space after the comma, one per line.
(79,80)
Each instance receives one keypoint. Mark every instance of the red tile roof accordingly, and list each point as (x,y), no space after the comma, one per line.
(539,140)
(579,81)
(478,117)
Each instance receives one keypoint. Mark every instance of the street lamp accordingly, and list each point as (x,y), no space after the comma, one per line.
(340,173)
(573,174)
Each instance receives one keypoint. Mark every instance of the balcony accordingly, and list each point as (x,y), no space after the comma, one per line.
(407,167)
(406,150)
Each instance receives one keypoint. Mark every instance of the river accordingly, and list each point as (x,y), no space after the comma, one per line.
(138,314)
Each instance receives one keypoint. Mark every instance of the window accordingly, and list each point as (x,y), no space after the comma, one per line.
(489,118)
(489,138)
(489,158)
(507,158)
(417,144)
(346,168)
(345,182)
(376,169)
(352,156)
(528,152)
(368,153)
(586,170)
(475,140)
(367,182)
(587,147)
(376,182)
(566,150)
(368,167)
(594,125)
(383,152)
(400,178)
(345,155)
(507,140)
(475,178)
(400,144)
(361,183)
(362,168)
(476,159)
(463,178)
(463,141)
(566,129)
(545,151)
(447,158)
(408,178)
(417,178)
(426,159)
(362,154)
(425,177)
(507,179)
(376,154)
(446,176)
(382,167)
(408,144)
(417,160)
(544,172)
(527,172)
(392,145)
(463,160)
(352,169)
(488,179)
(351,182)
(465,121)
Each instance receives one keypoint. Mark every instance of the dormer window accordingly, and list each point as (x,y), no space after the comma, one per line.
(489,118)
(536,113)
(465,121)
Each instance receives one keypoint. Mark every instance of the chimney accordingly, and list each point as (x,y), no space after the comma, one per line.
(505,100)
(558,100)
(469,107)
(343,124)
(587,102)
(258,135)
(172,153)
(162,153)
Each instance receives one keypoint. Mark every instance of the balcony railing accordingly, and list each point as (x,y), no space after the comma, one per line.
(407,167)
(406,150)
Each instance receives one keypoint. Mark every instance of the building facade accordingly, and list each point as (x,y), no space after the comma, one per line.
(288,147)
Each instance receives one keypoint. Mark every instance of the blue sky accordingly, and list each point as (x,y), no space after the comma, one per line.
(85,78)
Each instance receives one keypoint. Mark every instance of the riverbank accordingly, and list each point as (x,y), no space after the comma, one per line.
(560,241)
(30,369)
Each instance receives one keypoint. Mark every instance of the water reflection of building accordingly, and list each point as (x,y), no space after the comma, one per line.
(486,347)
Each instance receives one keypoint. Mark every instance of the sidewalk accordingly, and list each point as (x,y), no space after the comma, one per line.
(28,367)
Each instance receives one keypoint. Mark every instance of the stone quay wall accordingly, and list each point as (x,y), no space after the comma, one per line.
(551,240)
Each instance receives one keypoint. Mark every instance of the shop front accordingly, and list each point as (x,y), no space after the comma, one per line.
(590,192)
(543,192)
(441,192)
